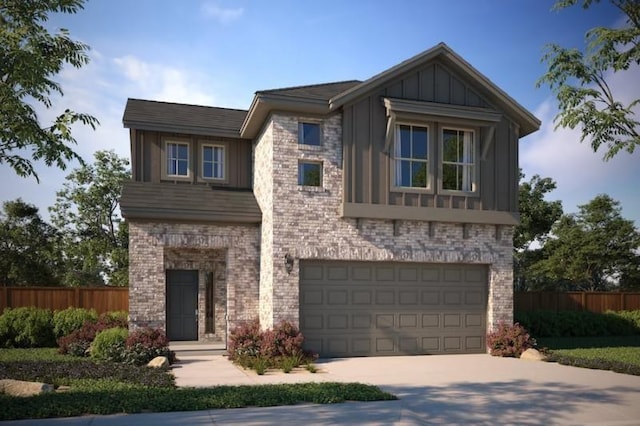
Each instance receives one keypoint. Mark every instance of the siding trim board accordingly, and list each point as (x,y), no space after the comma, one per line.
(427,109)
(436,214)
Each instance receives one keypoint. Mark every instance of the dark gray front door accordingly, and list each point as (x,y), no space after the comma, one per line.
(182,305)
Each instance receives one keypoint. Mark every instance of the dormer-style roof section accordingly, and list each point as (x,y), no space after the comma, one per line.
(312,99)
(182,118)
(527,121)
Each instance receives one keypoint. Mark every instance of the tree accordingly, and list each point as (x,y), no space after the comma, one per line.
(579,81)
(87,213)
(592,249)
(29,247)
(537,216)
(29,57)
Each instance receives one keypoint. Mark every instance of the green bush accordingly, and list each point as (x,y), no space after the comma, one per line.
(26,327)
(78,342)
(109,344)
(580,323)
(144,344)
(509,340)
(71,319)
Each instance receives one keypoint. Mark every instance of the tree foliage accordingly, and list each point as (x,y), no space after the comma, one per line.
(592,249)
(30,56)
(579,81)
(537,217)
(87,213)
(29,247)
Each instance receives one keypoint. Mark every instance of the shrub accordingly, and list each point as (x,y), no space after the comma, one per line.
(27,327)
(109,344)
(245,340)
(71,319)
(509,340)
(144,344)
(580,323)
(78,342)
(285,340)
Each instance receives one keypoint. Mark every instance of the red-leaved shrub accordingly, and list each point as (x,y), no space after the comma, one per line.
(144,344)
(284,340)
(245,340)
(509,340)
(78,342)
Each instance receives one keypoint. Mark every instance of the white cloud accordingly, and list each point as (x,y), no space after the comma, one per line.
(219,13)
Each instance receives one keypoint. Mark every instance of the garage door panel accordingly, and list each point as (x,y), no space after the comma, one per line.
(369,308)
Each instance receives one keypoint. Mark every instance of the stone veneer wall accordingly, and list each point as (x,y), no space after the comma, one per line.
(154,247)
(305,222)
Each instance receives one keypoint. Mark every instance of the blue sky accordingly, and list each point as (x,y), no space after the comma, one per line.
(220,52)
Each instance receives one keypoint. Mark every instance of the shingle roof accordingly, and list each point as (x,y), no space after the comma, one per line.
(167,116)
(323,91)
(175,201)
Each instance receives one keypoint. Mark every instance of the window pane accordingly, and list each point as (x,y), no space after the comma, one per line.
(451,178)
(183,168)
(207,153)
(405,141)
(449,146)
(309,174)
(310,133)
(172,150)
(405,173)
(183,152)
(469,151)
(207,170)
(171,167)
(418,174)
(419,143)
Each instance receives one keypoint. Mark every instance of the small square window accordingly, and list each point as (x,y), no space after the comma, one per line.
(309,174)
(309,133)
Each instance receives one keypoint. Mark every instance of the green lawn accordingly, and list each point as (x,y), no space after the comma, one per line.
(107,388)
(617,353)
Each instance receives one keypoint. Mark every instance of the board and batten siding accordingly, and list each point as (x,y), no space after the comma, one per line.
(367,168)
(147,156)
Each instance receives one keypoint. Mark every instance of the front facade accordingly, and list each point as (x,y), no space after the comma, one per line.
(376,215)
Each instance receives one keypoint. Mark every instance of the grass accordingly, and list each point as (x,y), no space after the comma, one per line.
(106,388)
(616,353)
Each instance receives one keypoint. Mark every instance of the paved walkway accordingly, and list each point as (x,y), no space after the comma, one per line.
(439,390)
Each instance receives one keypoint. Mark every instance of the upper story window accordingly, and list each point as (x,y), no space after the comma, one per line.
(309,133)
(213,161)
(177,159)
(411,156)
(458,160)
(309,173)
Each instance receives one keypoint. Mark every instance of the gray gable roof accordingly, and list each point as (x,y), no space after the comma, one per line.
(146,200)
(183,118)
(323,91)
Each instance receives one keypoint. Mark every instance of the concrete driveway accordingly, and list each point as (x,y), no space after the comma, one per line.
(445,389)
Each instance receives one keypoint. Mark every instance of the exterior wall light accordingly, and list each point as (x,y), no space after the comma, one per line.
(288,263)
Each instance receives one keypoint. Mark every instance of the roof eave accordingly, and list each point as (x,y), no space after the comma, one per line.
(264,103)
(176,128)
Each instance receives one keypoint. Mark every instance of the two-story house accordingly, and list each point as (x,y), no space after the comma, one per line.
(376,215)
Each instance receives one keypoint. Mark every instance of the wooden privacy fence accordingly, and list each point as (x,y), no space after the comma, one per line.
(102,299)
(524,301)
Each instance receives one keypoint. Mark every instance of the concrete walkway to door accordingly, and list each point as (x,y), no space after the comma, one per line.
(439,390)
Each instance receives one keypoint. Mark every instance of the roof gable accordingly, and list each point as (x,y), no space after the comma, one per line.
(527,121)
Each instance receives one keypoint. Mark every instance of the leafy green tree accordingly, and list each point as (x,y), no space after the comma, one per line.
(29,247)
(592,249)
(537,216)
(579,81)
(87,212)
(29,57)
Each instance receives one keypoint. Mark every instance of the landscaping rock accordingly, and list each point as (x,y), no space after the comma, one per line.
(22,388)
(159,362)
(533,355)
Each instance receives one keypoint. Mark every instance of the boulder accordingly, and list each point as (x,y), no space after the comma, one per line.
(159,362)
(533,355)
(23,388)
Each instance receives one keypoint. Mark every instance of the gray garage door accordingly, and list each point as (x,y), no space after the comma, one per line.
(373,308)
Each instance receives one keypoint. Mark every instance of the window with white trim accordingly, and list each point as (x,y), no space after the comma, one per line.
(309,133)
(309,173)
(213,162)
(458,160)
(177,156)
(411,156)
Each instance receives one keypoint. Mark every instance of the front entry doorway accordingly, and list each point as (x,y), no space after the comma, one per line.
(182,304)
